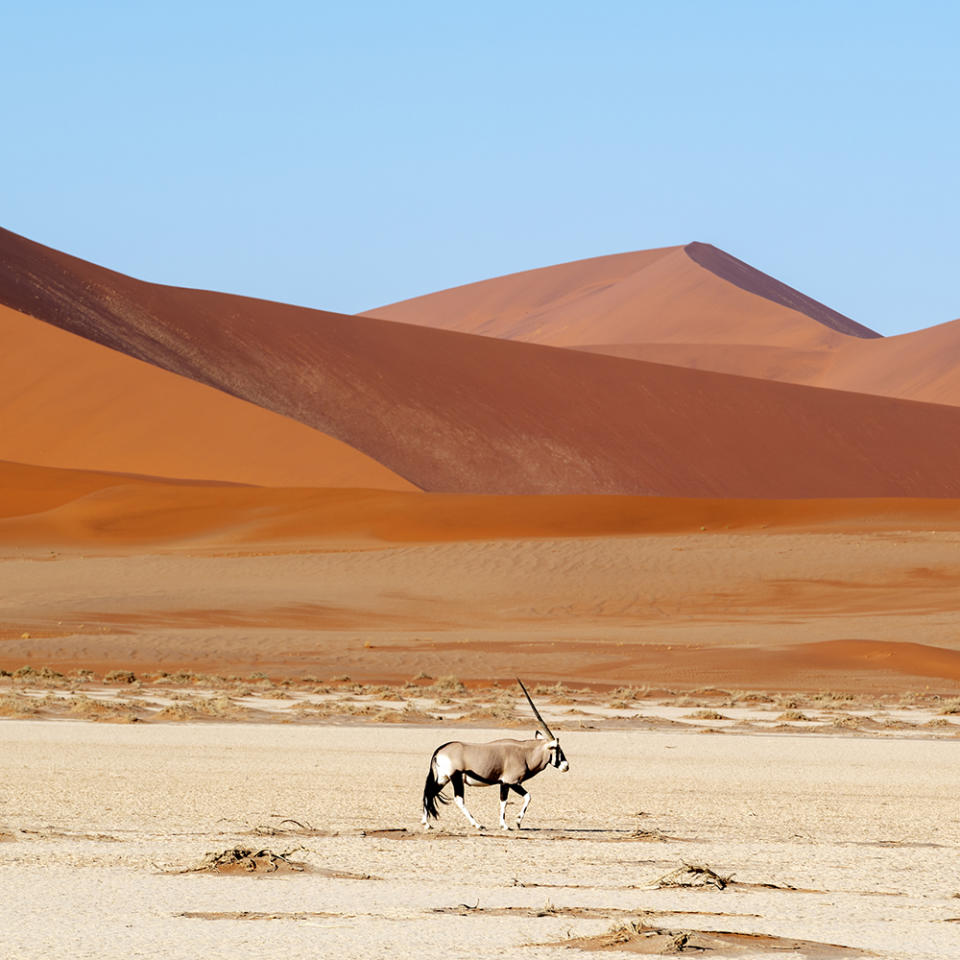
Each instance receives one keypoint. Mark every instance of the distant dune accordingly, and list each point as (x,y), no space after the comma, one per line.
(697,307)
(455,412)
(692,294)
(68,402)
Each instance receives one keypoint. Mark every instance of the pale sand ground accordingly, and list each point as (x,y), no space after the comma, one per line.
(97,812)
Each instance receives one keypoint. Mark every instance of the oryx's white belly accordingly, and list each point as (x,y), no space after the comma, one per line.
(474,782)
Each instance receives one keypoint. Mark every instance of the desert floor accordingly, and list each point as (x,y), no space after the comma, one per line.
(834,840)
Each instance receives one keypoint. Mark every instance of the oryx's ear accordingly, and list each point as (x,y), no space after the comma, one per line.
(538,735)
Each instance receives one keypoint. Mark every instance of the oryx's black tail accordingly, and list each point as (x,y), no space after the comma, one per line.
(432,791)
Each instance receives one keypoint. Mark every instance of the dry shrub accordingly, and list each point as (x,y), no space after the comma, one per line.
(705,715)
(847,723)
(789,703)
(120,676)
(409,714)
(751,696)
(88,708)
(201,708)
(17,705)
(950,707)
(449,684)
(793,715)
(242,860)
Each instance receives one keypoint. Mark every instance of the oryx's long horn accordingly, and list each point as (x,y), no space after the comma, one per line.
(536,712)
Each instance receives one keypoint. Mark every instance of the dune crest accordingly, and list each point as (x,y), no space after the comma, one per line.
(748,278)
(652,296)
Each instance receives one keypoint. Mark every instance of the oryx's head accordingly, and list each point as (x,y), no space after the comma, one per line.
(557,758)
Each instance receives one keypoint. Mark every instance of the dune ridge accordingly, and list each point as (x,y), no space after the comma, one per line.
(454,412)
(755,281)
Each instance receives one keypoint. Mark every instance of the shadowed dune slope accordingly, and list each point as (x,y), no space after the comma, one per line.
(692,294)
(68,402)
(52,507)
(458,413)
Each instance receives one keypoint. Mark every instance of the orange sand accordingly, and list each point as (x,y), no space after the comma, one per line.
(68,402)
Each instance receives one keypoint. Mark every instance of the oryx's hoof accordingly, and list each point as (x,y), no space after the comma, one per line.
(427,826)
(480,826)
(505,826)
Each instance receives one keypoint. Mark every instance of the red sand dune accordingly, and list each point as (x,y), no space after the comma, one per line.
(459,413)
(51,507)
(922,365)
(692,294)
(913,366)
(68,402)
(697,307)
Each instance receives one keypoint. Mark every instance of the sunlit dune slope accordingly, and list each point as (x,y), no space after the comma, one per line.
(52,507)
(68,402)
(692,294)
(923,365)
(453,412)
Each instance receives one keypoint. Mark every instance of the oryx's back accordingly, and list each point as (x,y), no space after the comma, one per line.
(494,761)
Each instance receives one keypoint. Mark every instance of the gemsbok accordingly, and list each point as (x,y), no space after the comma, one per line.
(506,762)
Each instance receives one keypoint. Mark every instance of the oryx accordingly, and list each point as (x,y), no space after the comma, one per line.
(506,762)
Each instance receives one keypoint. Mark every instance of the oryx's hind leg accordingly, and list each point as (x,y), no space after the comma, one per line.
(457,780)
(516,788)
(504,790)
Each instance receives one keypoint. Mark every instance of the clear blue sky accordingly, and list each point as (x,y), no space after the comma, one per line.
(351,154)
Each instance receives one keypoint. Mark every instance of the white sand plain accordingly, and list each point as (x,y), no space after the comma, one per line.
(95,814)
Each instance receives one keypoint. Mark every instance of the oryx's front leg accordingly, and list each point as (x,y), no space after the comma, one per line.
(457,780)
(526,802)
(504,790)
